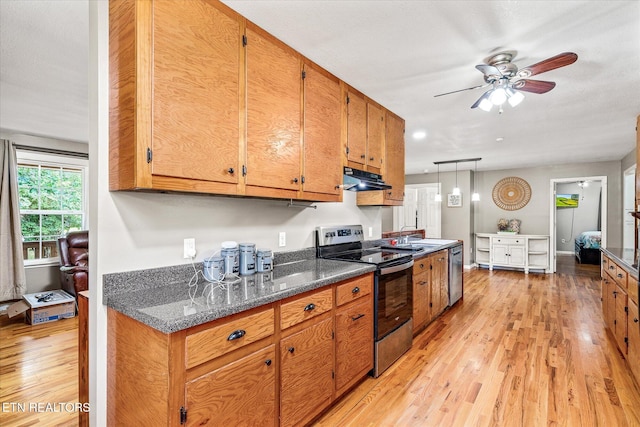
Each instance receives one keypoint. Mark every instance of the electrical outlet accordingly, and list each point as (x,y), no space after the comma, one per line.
(282,239)
(564,240)
(189,248)
(370,231)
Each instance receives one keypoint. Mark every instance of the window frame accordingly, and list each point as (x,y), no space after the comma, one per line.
(25,157)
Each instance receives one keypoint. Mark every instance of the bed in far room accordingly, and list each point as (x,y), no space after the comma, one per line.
(588,247)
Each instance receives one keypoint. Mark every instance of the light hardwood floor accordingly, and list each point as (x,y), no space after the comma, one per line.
(519,350)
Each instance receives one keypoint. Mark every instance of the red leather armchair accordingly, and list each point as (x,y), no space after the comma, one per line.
(74,262)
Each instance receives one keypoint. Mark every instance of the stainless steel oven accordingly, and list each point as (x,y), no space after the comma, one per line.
(393,289)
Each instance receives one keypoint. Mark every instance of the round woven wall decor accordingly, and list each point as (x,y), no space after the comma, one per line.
(511,193)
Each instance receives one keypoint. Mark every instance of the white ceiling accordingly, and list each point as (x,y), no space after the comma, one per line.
(399,53)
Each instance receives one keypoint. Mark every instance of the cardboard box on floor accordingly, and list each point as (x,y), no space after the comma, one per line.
(57,305)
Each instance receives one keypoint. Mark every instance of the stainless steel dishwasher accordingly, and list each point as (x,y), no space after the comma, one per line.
(455,274)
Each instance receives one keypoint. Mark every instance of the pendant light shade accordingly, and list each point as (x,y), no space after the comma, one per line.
(438,197)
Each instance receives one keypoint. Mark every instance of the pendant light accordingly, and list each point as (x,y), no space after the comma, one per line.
(438,197)
(475,197)
(456,189)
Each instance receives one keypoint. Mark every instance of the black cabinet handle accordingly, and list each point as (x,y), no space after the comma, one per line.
(362,156)
(421,265)
(611,267)
(268,362)
(355,290)
(236,335)
(310,307)
(231,171)
(423,283)
(295,180)
(635,320)
(291,349)
(620,275)
(354,318)
(371,158)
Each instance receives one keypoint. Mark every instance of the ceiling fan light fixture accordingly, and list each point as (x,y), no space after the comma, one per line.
(514,97)
(485,105)
(498,96)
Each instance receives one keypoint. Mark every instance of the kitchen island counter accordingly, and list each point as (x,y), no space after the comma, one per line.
(168,301)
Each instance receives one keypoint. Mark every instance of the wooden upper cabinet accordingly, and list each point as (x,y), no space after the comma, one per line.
(174,96)
(195,92)
(394,162)
(322,165)
(356,129)
(375,137)
(274,114)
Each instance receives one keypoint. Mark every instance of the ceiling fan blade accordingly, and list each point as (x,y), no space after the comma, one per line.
(561,60)
(461,90)
(534,86)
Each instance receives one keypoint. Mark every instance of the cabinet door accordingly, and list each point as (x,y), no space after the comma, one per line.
(273,113)
(322,158)
(516,256)
(354,342)
(421,299)
(394,157)
(356,129)
(240,393)
(500,254)
(375,136)
(621,318)
(195,90)
(306,373)
(633,329)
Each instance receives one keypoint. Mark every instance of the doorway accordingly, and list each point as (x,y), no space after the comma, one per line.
(629,202)
(419,210)
(565,223)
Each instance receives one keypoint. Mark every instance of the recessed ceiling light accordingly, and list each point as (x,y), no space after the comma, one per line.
(499,139)
(419,134)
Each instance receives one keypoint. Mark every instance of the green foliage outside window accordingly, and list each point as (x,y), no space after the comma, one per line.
(51,205)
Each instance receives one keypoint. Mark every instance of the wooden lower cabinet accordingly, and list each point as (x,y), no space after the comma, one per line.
(430,288)
(354,347)
(633,330)
(242,392)
(306,379)
(275,365)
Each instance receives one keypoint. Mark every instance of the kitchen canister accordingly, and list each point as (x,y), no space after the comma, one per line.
(213,268)
(231,260)
(264,260)
(247,258)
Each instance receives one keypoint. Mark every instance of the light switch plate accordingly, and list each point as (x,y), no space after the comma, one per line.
(282,239)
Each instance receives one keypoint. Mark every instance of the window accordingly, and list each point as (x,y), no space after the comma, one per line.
(52,203)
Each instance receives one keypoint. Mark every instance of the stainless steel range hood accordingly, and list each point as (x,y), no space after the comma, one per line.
(358,180)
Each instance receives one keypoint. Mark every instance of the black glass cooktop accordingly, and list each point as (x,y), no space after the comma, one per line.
(375,256)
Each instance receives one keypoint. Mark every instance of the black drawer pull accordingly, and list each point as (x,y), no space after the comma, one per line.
(354,318)
(362,156)
(611,267)
(635,320)
(371,158)
(310,307)
(355,290)
(291,349)
(231,171)
(236,334)
(620,275)
(421,265)
(268,362)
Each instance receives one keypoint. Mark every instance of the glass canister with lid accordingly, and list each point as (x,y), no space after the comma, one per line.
(247,258)
(264,260)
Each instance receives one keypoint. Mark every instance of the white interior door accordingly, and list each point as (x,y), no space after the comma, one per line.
(419,210)
(628,236)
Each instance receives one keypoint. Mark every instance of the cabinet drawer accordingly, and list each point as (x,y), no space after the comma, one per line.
(421,265)
(354,289)
(508,241)
(621,276)
(306,307)
(218,340)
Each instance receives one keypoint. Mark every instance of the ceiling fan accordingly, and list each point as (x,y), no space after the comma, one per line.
(508,82)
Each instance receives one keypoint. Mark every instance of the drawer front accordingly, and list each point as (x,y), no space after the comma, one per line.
(508,241)
(632,289)
(621,276)
(306,307)
(218,340)
(354,289)
(421,265)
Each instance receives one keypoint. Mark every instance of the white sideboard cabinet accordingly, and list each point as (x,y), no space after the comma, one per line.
(520,251)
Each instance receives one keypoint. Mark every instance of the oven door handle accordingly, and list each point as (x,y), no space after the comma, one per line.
(396,268)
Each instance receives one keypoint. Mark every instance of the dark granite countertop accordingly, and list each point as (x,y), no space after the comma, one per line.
(625,258)
(170,303)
